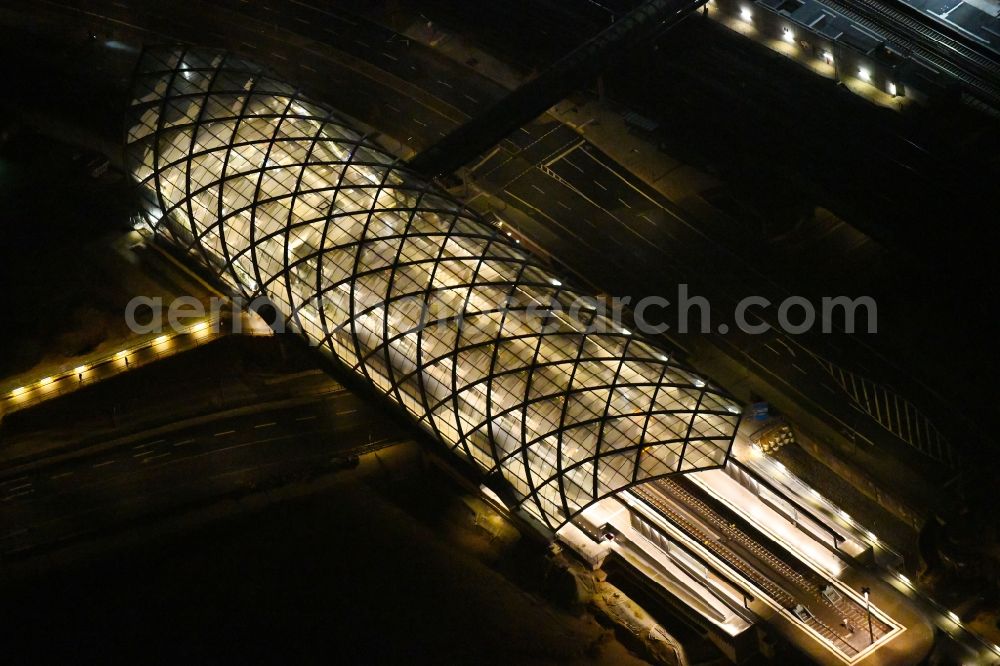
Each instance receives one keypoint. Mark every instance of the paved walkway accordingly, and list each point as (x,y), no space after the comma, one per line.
(139,351)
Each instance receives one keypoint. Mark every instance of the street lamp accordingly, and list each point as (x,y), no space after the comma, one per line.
(868,606)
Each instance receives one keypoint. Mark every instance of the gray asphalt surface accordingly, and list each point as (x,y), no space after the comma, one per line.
(102,490)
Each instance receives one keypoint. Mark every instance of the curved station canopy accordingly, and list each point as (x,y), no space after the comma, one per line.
(444,314)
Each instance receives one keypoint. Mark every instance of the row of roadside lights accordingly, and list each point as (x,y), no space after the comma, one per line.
(122,355)
(951,615)
(757,452)
(817,496)
(788,35)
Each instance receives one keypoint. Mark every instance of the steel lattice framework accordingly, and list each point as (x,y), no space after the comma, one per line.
(407,287)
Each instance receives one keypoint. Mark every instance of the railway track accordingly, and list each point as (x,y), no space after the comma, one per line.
(780,593)
(774,591)
(931,45)
(913,32)
(811,588)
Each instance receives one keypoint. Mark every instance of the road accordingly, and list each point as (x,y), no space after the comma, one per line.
(102,490)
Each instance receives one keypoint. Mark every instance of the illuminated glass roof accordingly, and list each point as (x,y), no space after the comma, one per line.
(407,287)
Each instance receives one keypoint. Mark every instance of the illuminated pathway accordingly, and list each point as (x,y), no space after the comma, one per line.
(99,367)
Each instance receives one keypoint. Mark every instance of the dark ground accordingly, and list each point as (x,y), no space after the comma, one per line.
(355,574)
